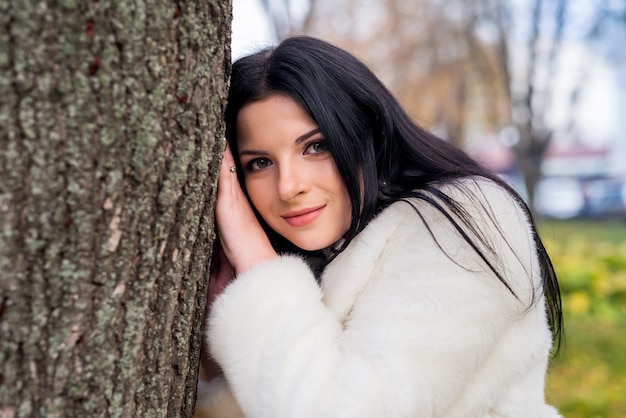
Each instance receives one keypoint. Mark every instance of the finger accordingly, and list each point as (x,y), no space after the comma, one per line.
(228,156)
(228,167)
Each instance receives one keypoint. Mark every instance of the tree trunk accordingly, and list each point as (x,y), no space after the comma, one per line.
(530,154)
(110,140)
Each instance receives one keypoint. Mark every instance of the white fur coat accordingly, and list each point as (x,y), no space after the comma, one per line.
(401,326)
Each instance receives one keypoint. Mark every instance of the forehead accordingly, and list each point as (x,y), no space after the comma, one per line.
(275,117)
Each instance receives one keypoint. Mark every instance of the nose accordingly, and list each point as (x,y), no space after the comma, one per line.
(292,180)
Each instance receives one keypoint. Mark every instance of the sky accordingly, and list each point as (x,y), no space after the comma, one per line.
(598,106)
(251,30)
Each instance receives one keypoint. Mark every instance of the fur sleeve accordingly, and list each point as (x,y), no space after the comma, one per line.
(261,330)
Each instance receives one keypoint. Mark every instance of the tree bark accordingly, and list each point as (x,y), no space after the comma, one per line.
(110,141)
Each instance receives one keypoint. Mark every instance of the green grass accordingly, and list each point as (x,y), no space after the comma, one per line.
(588,379)
(608,231)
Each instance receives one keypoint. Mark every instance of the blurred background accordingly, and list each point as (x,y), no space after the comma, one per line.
(534,89)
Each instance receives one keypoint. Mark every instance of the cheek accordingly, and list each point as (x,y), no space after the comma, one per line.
(345,205)
(259,196)
(332,177)
(347,211)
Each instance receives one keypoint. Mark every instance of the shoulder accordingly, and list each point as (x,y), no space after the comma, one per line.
(481,208)
(485,225)
(427,230)
(484,203)
(413,251)
(496,214)
(480,196)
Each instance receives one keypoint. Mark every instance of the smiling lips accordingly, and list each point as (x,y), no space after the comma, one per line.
(303,217)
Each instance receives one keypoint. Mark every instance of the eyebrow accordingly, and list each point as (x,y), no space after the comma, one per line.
(298,140)
(307,135)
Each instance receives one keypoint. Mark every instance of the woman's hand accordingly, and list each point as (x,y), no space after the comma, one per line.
(243,240)
(241,244)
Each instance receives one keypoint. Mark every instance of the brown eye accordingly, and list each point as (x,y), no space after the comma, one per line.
(258,164)
(316,147)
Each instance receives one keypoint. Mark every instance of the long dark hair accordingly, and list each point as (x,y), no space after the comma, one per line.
(382,155)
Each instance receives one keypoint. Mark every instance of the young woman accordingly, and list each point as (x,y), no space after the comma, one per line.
(378,270)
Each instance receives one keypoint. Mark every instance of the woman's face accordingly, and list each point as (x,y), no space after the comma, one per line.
(290,175)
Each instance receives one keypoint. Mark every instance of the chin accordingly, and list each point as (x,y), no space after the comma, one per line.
(310,247)
(318,245)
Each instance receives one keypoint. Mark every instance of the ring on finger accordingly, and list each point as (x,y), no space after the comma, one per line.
(233,169)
